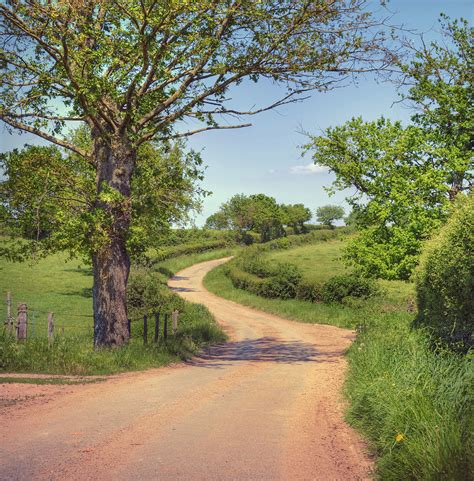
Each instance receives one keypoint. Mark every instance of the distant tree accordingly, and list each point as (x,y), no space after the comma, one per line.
(327,214)
(267,217)
(242,214)
(217,221)
(238,211)
(295,216)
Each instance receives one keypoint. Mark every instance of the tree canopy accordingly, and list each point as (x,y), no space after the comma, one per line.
(139,66)
(261,214)
(327,214)
(48,197)
(405,176)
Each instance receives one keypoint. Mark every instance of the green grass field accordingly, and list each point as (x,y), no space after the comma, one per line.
(56,285)
(52,284)
(317,262)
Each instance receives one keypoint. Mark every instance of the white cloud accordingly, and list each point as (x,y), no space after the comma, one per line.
(308,169)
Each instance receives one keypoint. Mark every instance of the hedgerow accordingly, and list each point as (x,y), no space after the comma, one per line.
(255,273)
(168,252)
(445,280)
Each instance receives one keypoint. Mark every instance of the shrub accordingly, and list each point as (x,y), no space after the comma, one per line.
(146,293)
(309,291)
(338,287)
(283,284)
(253,272)
(168,252)
(243,280)
(258,266)
(445,280)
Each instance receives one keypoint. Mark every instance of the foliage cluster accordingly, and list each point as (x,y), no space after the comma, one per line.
(49,198)
(327,214)
(337,288)
(405,177)
(163,253)
(445,279)
(259,214)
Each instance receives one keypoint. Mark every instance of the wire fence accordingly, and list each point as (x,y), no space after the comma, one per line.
(25,322)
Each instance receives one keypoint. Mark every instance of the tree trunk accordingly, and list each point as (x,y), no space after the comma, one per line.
(111,261)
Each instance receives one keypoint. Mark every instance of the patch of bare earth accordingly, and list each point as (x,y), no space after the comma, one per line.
(264,406)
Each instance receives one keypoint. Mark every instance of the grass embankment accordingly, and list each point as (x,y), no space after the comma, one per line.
(52,284)
(412,403)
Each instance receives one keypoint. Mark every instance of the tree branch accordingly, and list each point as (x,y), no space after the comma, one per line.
(50,138)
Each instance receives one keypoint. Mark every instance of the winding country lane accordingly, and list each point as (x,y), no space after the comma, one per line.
(265,406)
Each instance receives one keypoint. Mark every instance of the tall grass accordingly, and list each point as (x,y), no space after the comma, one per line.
(414,405)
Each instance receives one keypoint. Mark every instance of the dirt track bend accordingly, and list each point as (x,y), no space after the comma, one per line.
(265,406)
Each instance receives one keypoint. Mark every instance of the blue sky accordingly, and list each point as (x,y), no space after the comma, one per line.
(266,157)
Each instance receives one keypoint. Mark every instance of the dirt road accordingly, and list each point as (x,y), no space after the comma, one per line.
(265,406)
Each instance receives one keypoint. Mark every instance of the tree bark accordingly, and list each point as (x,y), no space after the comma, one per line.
(111,261)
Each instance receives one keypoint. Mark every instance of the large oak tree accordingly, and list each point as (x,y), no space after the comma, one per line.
(141,70)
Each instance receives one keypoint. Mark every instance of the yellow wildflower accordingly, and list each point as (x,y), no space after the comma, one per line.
(399,437)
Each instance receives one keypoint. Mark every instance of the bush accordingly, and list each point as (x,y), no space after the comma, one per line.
(339,287)
(309,291)
(146,294)
(283,284)
(445,280)
(168,252)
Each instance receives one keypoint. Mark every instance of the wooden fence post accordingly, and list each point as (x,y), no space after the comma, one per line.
(145,329)
(50,328)
(22,322)
(174,321)
(165,327)
(9,313)
(157,327)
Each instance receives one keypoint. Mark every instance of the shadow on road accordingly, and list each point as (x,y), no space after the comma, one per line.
(264,349)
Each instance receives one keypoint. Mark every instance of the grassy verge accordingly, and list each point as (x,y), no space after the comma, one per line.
(413,404)
(48,380)
(55,285)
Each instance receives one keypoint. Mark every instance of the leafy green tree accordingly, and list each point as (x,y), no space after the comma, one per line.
(238,212)
(242,214)
(135,71)
(441,91)
(327,214)
(401,190)
(295,216)
(217,221)
(49,196)
(405,177)
(266,216)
